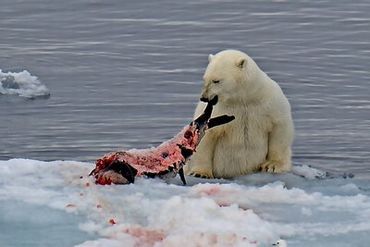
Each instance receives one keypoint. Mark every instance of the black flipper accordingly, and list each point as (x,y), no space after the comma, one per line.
(207,112)
(213,122)
(213,101)
(123,168)
(182,176)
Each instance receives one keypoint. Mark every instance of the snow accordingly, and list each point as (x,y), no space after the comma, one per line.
(23,84)
(302,208)
(281,243)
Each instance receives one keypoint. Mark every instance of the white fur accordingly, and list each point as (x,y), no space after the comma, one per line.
(261,135)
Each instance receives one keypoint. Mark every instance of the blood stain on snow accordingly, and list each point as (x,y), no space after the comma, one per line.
(227,239)
(210,191)
(112,221)
(145,236)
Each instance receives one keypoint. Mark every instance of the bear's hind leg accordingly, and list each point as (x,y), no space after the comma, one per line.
(278,159)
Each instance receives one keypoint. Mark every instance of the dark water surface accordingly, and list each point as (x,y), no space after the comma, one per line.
(128,73)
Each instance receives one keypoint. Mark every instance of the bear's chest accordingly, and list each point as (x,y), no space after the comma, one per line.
(249,119)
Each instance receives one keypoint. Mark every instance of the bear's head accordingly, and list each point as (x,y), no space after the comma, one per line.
(227,76)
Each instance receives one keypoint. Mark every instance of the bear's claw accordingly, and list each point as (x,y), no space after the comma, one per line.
(198,175)
(272,166)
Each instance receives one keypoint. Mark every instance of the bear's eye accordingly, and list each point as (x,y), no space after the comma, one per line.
(216,81)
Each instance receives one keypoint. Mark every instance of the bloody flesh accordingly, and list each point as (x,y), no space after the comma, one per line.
(165,160)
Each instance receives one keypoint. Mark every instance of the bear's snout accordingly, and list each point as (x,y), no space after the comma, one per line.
(204,99)
(206,96)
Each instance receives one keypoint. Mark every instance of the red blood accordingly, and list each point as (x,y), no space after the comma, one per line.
(188,134)
(112,222)
(210,190)
(146,236)
(103,180)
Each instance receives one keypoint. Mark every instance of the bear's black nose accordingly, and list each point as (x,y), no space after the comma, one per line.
(204,99)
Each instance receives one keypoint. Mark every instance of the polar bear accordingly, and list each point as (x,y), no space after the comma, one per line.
(260,137)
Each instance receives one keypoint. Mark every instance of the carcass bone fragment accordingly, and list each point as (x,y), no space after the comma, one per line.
(163,161)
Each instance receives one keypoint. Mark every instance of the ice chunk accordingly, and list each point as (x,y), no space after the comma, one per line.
(23,84)
(308,172)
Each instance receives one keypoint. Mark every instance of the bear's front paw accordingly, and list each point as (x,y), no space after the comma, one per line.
(273,167)
(198,173)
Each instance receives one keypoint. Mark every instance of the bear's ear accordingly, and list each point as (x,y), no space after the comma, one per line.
(241,62)
(210,57)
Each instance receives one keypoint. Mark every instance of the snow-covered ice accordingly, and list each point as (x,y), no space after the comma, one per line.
(23,84)
(280,243)
(303,208)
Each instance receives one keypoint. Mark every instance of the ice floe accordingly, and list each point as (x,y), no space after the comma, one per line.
(254,210)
